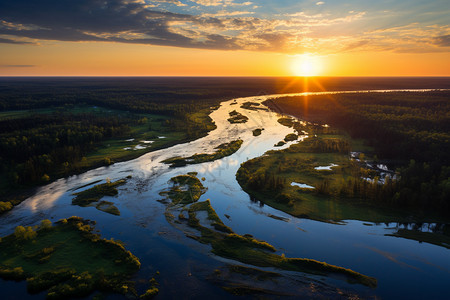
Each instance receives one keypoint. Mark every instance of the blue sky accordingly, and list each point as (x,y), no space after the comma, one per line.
(283,26)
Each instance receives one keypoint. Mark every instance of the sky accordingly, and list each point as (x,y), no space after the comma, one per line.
(224,38)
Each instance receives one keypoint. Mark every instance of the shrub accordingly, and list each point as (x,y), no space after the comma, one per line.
(46,224)
(5,206)
(26,233)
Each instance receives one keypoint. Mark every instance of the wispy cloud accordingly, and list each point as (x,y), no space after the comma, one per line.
(218,24)
(17,66)
(223,3)
(443,40)
(14,41)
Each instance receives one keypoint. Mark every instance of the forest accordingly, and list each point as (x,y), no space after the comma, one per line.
(410,131)
(50,128)
(55,127)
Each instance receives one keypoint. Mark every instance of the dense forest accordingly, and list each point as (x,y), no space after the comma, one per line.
(410,130)
(49,129)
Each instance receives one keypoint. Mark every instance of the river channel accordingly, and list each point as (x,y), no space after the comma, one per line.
(404,268)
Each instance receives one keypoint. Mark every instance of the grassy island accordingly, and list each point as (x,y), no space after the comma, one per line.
(236,117)
(246,249)
(291,180)
(408,129)
(243,248)
(67,260)
(92,196)
(186,189)
(253,106)
(223,150)
(257,131)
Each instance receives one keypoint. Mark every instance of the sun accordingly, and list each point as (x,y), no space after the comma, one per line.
(306,65)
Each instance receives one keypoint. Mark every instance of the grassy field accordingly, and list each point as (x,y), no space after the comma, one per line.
(92,196)
(289,181)
(147,132)
(246,249)
(222,150)
(243,248)
(186,189)
(66,259)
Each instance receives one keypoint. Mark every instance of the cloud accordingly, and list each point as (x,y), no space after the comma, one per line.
(124,21)
(320,3)
(224,13)
(216,24)
(174,2)
(442,41)
(223,3)
(12,41)
(17,66)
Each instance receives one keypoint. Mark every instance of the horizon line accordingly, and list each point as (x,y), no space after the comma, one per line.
(221,76)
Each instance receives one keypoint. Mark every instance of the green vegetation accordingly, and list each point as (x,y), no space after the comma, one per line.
(93,195)
(223,150)
(288,122)
(258,131)
(409,128)
(108,207)
(237,117)
(244,248)
(186,189)
(248,250)
(339,194)
(152,291)
(5,206)
(216,222)
(291,137)
(48,131)
(67,259)
(253,106)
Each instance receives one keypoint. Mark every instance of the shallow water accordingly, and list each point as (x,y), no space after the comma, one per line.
(404,268)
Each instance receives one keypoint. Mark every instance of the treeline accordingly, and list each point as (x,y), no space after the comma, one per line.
(411,128)
(406,125)
(321,145)
(35,147)
(261,180)
(48,126)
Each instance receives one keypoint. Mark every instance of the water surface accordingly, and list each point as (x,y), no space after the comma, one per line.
(404,268)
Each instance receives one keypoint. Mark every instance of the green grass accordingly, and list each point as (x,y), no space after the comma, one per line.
(108,207)
(93,195)
(186,189)
(290,137)
(212,216)
(296,164)
(68,260)
(247,249)
(146,127)
(258,131)
(288,122)
(115,149)
(236,117)
(223,150)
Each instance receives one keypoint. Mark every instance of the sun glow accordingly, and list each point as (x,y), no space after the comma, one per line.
(306,65)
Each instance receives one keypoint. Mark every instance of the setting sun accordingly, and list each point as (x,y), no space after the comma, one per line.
(306,65)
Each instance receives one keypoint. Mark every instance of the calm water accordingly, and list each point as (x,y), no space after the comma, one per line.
(404,268)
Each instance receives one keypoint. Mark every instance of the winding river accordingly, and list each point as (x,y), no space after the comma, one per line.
(404,268)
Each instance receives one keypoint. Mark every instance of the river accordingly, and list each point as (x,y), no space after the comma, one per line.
(404,268)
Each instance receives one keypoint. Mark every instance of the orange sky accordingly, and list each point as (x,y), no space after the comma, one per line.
(117,59)
(224,38)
